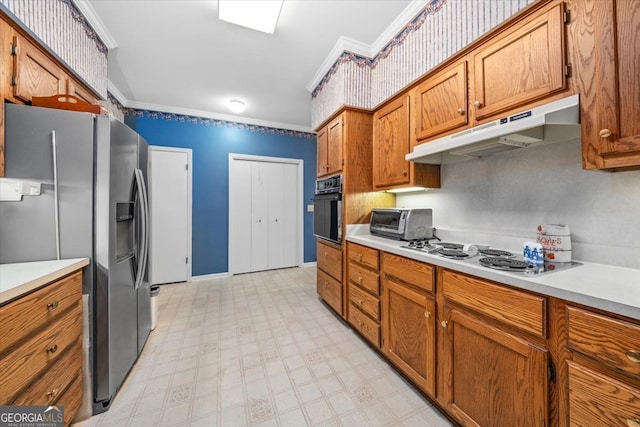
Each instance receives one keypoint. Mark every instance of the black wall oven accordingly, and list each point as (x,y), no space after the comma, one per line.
(327,209)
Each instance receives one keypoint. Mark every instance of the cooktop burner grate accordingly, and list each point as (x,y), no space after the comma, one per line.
(452,253)
(496,253)
(501,263)
(448,245)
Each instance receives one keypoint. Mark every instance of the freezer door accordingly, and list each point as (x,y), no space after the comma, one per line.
(116,348)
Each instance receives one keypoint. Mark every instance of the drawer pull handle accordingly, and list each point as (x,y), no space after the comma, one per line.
(605,133)
(633,422)
(52,349)
(53,393)
(427,314)
(633,355)
(52,305)
(444,323)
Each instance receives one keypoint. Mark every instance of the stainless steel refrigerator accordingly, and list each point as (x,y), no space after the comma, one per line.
(93,203)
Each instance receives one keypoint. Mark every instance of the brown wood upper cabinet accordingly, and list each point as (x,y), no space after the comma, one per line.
(330,145)
(611,101)
(521,65)
(34,74)
(391,143)
(440,103)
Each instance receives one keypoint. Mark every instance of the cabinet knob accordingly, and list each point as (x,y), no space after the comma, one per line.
(605,133)
(444,323)
(633,422)
(360,323)
(633,355)
(478,104)
(325,254)
(404,173)
(427,314)
(53,393)
(359,257)
(360,302)
(460,111)
(360,279)
(52,305)
(52,349)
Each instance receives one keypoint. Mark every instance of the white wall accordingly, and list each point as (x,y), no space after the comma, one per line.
(510,193)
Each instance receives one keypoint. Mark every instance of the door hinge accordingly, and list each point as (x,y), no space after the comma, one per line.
(186,167)
(551,372)
(14,49)
(186,260)
(13,80)
(567,70)
(567,17)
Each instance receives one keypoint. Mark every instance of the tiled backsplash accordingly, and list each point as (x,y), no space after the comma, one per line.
(443,28)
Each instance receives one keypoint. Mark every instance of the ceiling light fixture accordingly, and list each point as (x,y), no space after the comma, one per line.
(261,15)
(237,106)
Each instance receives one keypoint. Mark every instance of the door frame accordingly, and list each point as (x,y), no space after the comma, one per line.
(299,199)
(188,152)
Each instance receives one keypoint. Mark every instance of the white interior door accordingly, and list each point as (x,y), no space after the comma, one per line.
(265,214)
(170,214)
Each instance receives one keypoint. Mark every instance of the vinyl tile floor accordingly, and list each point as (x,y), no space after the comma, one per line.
(259,349)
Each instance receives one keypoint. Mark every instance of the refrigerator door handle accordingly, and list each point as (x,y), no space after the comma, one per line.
(143,244)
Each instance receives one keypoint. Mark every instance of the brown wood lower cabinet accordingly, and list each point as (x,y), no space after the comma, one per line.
(41,351)
(490,377)
(408,319)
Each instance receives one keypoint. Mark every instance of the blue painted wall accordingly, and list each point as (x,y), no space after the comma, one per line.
(211,145)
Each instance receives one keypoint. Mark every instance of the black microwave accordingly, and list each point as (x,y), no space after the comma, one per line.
(327,209)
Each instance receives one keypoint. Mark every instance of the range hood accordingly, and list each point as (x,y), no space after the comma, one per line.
(553,122)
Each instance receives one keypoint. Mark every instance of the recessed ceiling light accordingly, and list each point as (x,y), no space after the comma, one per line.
(237,106)
(261,15)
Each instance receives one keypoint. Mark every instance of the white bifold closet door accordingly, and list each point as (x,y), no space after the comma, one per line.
(264,216)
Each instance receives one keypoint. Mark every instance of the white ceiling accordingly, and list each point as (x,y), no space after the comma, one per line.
(177,56)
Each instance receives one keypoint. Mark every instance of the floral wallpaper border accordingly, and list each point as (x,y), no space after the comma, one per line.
(362,61)
(216,122)
(88,30)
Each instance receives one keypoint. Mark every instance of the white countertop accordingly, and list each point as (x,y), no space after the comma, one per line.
(20,278)
(610,288)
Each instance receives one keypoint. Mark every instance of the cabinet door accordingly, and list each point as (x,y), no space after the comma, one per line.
(409,333)
(391,144)
(322,141)
(441,102)
(34,73)
(610,127)
(334,145)
(524,65)
(490,377)
(80,92)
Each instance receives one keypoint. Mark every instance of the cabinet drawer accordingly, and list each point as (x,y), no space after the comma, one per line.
(598,400)
(330,290)
(34,356)
(330,260)
(363,324)
(49,387)
(71,400)
(36,310)
(364,301)
(364,278)
(364,255)
(615,343)
(409,271)
(519,309)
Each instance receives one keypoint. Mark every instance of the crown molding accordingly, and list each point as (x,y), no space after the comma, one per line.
(215,116)
(96,23)
(113,90)
(345,44)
